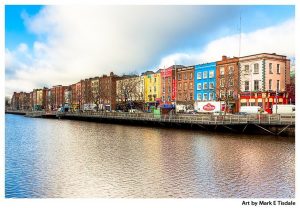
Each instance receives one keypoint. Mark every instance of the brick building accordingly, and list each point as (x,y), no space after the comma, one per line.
(185,86)
(227,82)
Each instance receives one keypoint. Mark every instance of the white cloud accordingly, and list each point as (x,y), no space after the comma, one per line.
(23,48)
(80,42)
(278,39)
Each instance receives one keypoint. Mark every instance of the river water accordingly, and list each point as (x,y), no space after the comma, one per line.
(47,158)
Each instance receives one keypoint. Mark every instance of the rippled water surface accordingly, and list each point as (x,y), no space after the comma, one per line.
(61,158)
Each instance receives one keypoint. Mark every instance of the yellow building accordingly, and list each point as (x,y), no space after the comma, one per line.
(152,86)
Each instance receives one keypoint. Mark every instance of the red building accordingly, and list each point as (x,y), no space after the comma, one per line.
(290,89)
(169,84)
(57,96)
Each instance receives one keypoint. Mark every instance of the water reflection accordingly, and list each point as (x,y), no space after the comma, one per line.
(60,158)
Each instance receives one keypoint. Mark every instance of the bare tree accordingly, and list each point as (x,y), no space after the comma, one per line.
(128,92)
(228,84)
(52,101)
(7,103)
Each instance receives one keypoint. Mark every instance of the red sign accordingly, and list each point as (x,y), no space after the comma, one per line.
(166,72)
(173,89)
(209,107)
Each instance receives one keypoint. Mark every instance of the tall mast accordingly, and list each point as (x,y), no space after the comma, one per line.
(240,36)
(164,84)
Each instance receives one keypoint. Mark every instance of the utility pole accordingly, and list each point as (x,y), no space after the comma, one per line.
(276,99)
(164,84)
(240,37)
(175,86)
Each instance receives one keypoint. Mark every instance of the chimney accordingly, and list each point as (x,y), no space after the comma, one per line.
(224,58)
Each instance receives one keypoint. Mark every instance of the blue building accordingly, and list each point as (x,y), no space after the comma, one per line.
(205,82)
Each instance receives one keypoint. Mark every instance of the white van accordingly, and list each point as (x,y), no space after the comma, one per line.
(251,109)
(283,109)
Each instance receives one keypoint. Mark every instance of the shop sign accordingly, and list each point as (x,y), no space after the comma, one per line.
(209,107)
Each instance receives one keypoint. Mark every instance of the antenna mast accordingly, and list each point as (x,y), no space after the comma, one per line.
(240,38)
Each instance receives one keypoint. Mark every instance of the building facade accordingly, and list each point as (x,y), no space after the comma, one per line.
(205,82)
(107,89)
(227,83)
(262,76)
(184,99)
(168,84)
(152,88)
(57,97)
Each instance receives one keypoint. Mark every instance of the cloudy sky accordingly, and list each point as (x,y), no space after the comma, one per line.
(50,45)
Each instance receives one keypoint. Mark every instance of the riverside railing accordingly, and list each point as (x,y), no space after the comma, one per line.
(271,119)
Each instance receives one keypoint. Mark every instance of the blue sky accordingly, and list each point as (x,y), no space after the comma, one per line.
(15,30)
(67,43)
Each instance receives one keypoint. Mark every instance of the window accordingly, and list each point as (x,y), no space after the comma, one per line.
(180,86)
(179,76)
(270,84)
(154,88)
(191,75)
(246,85)
(185,75)
(222,82)
(163,89)
(256,84)
(205,75)
(246,68)
(150,89)
(169,89)
(231,82)
(211,74)
(231,70)
(205,85)
(191,85)
(154,79)
(211,85)
(256,68)
(169,80)
(169,98)
(211,96)
(191,96)
(270,68)
(199,75)
(278,86)
(278,68)
(222,71)
(199,96)
(185,86)
(199,86)
(163,98)
(179,96)
(205,96)
(230,93)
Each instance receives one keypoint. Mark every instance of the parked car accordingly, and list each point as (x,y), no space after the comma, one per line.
(242,113)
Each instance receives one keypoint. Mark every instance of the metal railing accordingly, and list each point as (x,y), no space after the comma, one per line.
(275,119)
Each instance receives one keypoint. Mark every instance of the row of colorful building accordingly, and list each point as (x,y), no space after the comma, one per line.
(259,79)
